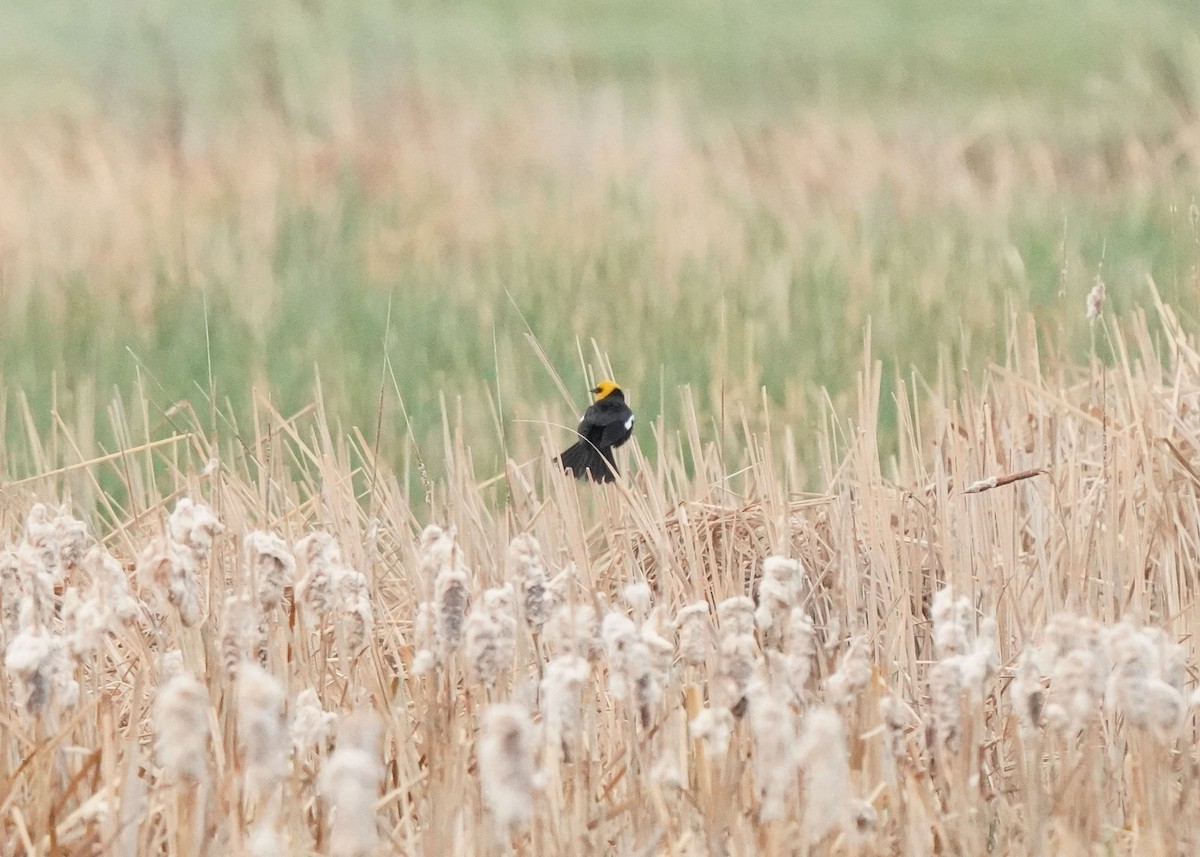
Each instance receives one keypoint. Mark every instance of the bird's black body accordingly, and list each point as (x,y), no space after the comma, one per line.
(607,424)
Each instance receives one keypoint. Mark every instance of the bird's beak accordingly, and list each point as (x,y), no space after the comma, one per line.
(595,390)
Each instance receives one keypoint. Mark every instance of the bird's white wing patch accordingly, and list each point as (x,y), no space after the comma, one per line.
(629,423)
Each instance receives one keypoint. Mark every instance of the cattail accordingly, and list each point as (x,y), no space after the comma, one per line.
(490,637)
(317,556)
(945,700)
(437,549)
(87,622)
(35,582)
(425,645)
(824,758)
(1028,694)
(692,622)
(629,667)
(353,600)
(451,590)
(170,665)
(1095,300)
(778,593)
(180,720)
(170,573)
(42,680)
(528,572)
(10,592)
(39,535)
(736,616)
(271,566)
(564,678)
(799,648)
(349,784)
(70,537)
(738,656)
(639,599)
(262,730)
(1074,655)
(110,585)
(713,726)
(194,525)
(951,623)
(853,673)
(507,774)
(1135,688)
(574,629)
(311,724)
(773,727)
(243,639)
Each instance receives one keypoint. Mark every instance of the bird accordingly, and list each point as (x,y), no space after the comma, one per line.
(607,423)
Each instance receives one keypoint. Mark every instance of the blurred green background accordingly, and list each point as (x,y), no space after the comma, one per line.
(201,200)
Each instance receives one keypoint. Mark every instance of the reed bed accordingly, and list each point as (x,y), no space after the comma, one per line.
(256,642)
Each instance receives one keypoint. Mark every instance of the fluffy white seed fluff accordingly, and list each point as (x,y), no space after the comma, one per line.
(180,720)
(349,785)
(242,636)
(262,730)
(507,774)
(194,525)
(952,623)
(527,571)
(271,566)
(490,636)
(692,622)
(311,724)
(824,758)
(773,727)
(735,616)
(738,659)
(352,599)
(564,679)
(627,656)
(713,726)
(853,673)
(317,555)
(1135,687)
(778,592)
(639,599)
(799,648)
(169,572)
(574,629)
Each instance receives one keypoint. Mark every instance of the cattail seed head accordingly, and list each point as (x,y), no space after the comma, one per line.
(693,622)
(527,570)
(180,720)
(262,729)
(271,566)
(349,784)
(317,556)
(507,773)
(195,526)
(169,572)
(490,636)
(825,760)
(778,593)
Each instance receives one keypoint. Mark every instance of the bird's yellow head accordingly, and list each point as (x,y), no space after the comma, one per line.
(604,389)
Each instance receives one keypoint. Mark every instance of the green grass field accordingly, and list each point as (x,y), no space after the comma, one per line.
(205,201)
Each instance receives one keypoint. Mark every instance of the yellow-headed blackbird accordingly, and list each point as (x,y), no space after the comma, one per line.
(607,424)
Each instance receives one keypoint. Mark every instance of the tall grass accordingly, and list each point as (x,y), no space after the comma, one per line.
(436,236)
(980,645)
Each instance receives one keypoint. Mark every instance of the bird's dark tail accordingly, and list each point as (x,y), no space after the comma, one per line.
(584,461)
